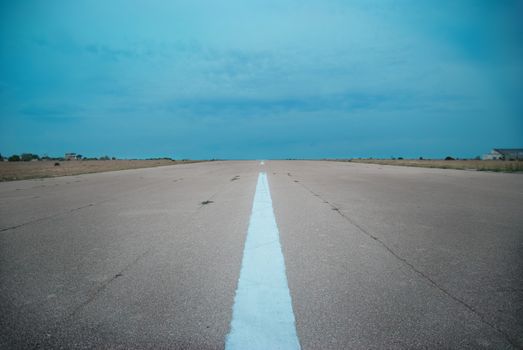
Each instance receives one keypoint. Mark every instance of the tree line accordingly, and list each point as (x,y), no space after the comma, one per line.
(27,157)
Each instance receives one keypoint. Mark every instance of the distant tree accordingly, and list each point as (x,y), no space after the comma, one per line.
(477,158)
(14,158)
(400,158)
(420,158)
(26,157)
(104,158)
(113,158)
(449,158)
(1,158)
(79,156)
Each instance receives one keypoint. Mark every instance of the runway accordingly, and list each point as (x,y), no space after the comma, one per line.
(374,256)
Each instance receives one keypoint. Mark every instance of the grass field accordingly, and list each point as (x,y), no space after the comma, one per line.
(480,165)
(10,171)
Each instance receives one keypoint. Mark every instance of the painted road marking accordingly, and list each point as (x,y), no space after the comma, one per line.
(262,315)
(262,162)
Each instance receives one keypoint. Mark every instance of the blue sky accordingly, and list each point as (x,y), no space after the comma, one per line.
(261,79)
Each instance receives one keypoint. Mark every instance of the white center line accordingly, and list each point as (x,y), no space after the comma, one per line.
(262,312)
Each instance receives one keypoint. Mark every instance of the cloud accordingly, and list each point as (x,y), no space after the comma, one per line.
(53,113)
(258,106)
(114,53)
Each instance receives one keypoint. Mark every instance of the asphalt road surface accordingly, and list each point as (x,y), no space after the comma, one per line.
(375,257)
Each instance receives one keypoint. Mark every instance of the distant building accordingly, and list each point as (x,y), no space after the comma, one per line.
(504,154)
(70,156)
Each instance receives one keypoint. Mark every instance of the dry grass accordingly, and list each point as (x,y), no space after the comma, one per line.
(10,171)
(480,165)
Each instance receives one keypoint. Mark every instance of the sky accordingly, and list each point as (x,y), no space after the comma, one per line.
(253,79)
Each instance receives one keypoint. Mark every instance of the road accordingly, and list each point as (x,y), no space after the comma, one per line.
(375,256)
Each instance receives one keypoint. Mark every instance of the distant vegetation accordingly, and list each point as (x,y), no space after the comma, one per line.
(27,157)
(449,163)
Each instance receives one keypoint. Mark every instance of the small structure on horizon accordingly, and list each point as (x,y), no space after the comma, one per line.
(70,156)
(504,154)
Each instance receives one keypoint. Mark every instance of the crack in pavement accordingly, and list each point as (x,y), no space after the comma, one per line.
(420,273)
(67,211)
(48,217)
(105,285)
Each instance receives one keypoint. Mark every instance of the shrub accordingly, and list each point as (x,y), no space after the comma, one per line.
(26,157)
(14,158)
(449,158)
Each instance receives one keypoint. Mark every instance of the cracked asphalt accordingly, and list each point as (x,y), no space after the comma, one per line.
(376,256)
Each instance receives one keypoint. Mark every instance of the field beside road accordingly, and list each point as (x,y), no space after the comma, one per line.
(10,171)
(480,165)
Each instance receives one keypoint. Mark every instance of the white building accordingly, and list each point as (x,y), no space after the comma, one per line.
(70,156)
(504,154)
